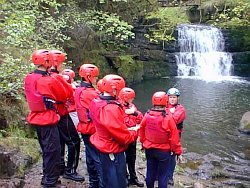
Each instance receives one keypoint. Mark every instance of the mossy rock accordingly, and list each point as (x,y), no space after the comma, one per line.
(156,69)
(17,154)
(245,123)
(95,57)
(130,69)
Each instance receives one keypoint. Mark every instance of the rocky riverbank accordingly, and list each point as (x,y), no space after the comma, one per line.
(194,171)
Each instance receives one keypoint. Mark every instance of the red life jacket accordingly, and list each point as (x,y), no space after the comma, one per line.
(111,134)
(34,99)
(154,131)
(63,92)
(95,112)
(81,110)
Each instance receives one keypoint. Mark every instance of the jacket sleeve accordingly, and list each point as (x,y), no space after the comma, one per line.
(180,114)
(142,129)
(139,117)
(85,99)
(174,138)
(113,118)
(45,87)
(68,90)
(133,119)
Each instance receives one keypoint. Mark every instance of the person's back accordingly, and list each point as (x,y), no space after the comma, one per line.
(39,114)
(132,119)
(159,137)
(41,97)
(83,96)
(112,136)
(67,130)
(69,76)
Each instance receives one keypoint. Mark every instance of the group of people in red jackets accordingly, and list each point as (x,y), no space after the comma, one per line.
(103,114)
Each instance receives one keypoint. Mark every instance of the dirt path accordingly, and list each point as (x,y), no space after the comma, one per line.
(34,175)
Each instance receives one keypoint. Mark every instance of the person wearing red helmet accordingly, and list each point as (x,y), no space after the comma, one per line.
(112,136)
(132,118)
(83,96)
(41,91)
(179,114)
(99,86)
(67,129)
(69,76)
(159,136)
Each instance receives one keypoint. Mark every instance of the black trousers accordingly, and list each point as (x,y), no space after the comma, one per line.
(70,137)
(49,140)
(130,160)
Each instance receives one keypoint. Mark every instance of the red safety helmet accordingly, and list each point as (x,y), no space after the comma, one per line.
(88,72)
(126,94)
(159,98)
(99,85)
(56,57)
(41,57)
(111,83)
(69,73)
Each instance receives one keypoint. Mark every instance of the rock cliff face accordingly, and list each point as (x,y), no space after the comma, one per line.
(159,60)
(237,42)
(146,60)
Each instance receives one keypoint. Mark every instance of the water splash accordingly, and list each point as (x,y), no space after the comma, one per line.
(202,53)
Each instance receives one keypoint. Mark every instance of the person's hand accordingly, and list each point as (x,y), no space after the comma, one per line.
(142,149)
(178,158)
(130,110)
(172,110)
(66,77)
(135,128)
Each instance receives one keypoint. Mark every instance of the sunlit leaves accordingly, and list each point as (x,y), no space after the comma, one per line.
(231,15)
(167,20)
(109,27)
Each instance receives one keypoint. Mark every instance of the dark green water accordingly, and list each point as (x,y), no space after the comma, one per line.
(214,110)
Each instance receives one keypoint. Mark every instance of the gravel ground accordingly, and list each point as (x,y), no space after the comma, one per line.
(34,175)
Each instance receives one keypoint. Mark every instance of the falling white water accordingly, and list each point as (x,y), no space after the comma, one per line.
(201,52)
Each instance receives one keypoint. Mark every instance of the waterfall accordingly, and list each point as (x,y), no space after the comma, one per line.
(202,52)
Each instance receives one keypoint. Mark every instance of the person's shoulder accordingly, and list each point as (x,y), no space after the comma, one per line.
(113,105)
(45,79)
(180,106)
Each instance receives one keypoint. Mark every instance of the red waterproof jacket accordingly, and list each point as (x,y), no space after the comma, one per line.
(40,83)
(71,101)
(112,135)
(132,119)
(71,104)
(179,115)
(158,130)
(65,91)
(83,96)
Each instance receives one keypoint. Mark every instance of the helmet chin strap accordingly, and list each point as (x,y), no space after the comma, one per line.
(89,80)
(106,94)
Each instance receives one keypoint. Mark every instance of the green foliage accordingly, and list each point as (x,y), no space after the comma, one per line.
(28,25)
(167,20)
(109,27)
(229,14)
(12,72)
(14,112)
(31,24)
(130,69)
(27,146)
